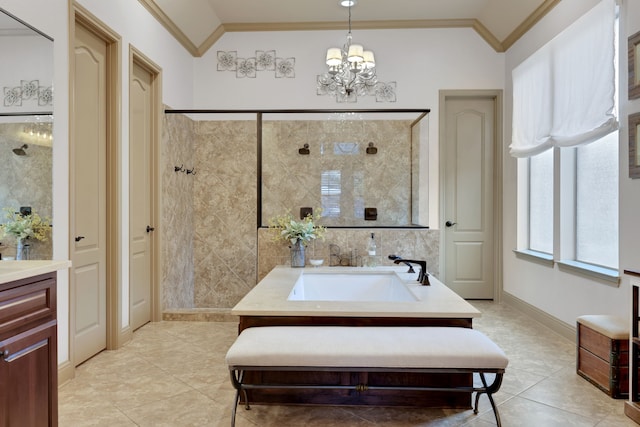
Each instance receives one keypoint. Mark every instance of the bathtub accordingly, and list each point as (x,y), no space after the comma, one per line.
(351,286)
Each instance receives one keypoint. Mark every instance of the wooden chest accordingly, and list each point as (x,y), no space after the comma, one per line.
(603,353)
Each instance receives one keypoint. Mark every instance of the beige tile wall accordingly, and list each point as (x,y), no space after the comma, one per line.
(214,252)
(410,243)
(382,180)
(178,147)
(225,200)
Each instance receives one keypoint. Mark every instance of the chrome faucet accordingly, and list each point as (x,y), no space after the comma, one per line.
(423,276)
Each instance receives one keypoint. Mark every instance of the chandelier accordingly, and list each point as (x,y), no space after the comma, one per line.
(351,69)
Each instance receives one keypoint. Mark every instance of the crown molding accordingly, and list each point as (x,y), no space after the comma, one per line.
(477,26)
(170,26)
(528,23)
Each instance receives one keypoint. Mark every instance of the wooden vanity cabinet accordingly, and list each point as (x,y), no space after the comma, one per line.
(28,352)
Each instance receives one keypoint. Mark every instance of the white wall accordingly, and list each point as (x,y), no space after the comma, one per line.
(563,295)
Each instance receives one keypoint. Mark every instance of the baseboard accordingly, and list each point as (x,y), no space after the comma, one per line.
(200,315)
(551,322)
(126,335)
(66,372)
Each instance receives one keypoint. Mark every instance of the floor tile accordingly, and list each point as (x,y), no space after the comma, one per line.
(173,373)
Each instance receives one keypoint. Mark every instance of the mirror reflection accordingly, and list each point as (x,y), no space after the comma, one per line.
(26,138)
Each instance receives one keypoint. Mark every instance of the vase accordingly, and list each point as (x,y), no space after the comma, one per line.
(19,249)
(297,254)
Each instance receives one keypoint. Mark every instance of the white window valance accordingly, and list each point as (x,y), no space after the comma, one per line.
(564,94)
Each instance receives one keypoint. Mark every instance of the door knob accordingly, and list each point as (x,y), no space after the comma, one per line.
(78,238)
(450,224)
(150,228)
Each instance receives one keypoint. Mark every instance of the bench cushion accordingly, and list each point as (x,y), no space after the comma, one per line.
(614,327)
(360,347)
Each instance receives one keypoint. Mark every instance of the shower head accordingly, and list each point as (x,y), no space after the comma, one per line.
(21,151)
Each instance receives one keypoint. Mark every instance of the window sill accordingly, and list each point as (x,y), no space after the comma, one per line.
(539,257)
(605,274)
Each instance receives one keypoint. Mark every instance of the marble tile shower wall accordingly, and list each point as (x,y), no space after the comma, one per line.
(337,155)
(225,200)
(416,243)
(26,181)
(178,143)
(212,252)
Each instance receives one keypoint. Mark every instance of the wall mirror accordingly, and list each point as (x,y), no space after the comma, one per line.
(26,118)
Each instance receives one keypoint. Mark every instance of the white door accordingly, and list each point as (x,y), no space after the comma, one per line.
(88,195)
(140,227)
(468,196)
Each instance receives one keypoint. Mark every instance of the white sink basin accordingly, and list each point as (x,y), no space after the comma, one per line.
(351,286)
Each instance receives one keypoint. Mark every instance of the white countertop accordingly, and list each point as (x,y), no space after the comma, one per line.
(16,270)
(269,298)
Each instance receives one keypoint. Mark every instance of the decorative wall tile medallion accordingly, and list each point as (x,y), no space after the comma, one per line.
(29,90)
(285,67)
(246,68)
(264,60)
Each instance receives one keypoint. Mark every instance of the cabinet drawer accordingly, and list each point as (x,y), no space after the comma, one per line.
(23,305)
(601,345)
(613,380)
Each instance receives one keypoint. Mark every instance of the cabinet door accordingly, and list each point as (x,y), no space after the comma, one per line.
(29,378)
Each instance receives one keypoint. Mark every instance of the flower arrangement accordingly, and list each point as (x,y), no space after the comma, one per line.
(24,226)
(286,228)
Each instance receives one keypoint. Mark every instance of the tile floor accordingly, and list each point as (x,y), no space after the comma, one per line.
(173,374)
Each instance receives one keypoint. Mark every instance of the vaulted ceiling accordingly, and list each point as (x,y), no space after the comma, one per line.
(197,24)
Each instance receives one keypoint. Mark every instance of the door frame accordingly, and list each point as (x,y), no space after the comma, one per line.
(495,95)
(116,336)
(137,57)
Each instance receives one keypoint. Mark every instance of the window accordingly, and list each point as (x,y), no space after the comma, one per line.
(565,110)
(540,204)
(330,191)
(597,202)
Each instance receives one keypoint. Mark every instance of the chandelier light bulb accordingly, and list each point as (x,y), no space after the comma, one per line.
(368,59)
(334,56)
(356,52)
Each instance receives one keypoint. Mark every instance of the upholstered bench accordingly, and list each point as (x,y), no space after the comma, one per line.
(444,350)
(603,353)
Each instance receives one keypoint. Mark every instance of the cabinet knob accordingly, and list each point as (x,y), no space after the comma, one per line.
(4,354)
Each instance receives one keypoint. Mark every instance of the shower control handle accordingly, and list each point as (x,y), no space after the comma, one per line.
(78,238)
